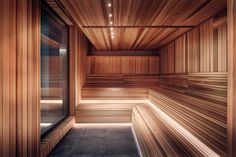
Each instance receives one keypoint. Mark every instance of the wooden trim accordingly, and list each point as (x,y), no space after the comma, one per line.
(72,69)
(153,26)
(54,137)
(231,108)
(123,53)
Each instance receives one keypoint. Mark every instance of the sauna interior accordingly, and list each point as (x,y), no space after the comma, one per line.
(165,69)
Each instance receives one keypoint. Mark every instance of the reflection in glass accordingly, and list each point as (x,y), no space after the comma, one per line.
(54,70)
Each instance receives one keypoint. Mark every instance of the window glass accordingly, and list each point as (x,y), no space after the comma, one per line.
(54,69)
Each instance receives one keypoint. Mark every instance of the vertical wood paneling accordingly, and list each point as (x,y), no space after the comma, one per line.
(73,68)
(128,65)
(231,108)
(22,78)
(222,48)
(82,43)
(206,47)
(180,54)
(171,57)
(168,58)
(123,64)
(142,66)
(8,78)
(1,79)
(117,65)
(19,78)
(193,50)
(154,65)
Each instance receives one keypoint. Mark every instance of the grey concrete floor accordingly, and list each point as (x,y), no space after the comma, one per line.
(97,142)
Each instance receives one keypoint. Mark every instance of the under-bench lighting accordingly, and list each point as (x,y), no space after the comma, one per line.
(51,101)
(97,125)
(110,15)
(109,5)
(45,124)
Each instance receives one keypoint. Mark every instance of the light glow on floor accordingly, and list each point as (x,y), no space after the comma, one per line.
(51,101)
(97,125)
(45,124)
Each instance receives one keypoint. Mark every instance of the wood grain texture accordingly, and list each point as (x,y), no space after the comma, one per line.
(82,49)
(28,96)
(167,54)
(206,48)
(114,93)
(103,113)
(19,75)
(8,78)
(158,138)
(222,57)
(199,105)
(180,55)
(122,80)
(54,137)
(231,108)
(73,92)
(123,65)
(150,13)
(193,50)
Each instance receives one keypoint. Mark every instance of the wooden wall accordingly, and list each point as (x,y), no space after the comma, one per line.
(78,47)
(123,65)
(194,67)
(231,17)
(203,49)
(19,78)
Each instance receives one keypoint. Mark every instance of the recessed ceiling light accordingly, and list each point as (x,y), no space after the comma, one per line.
(109,5)
(110,15)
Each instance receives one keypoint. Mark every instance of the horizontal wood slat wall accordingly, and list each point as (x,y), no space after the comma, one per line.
(19,78)
(123,65)
(103,113)
(195,92)
(110,93)
(121,80)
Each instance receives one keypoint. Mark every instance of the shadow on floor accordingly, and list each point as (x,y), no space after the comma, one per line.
(97,142)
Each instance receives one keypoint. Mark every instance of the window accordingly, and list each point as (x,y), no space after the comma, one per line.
(54,69)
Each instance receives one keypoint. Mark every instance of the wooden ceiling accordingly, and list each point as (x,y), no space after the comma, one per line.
(138,24)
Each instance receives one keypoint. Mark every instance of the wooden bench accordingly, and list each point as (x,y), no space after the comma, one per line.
(158,138)
(114,93)
(204,119)
(103,113)
(196,101)
(122,80)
